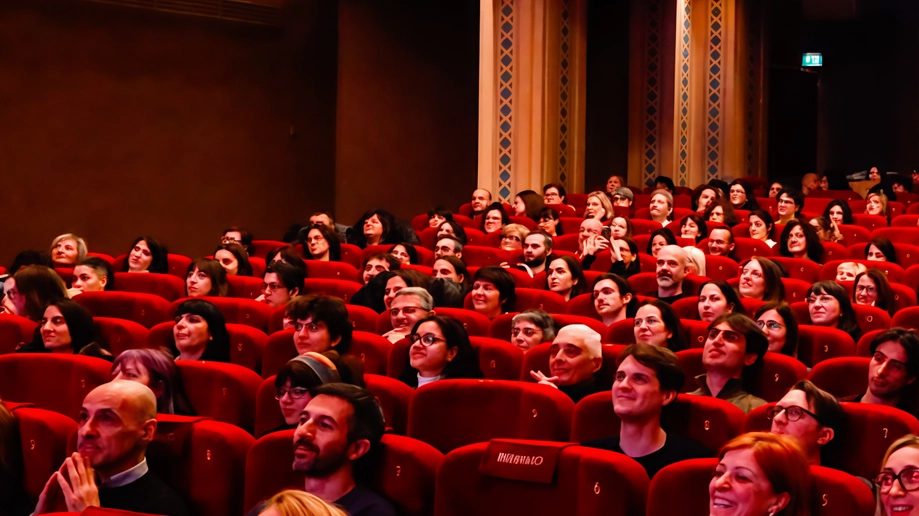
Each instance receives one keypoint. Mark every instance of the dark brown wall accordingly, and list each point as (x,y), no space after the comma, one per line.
(117,122)
(407,125)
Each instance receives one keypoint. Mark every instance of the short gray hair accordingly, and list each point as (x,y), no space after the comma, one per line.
(424,297)
(539,318)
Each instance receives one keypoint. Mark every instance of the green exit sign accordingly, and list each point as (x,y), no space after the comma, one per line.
(812,59)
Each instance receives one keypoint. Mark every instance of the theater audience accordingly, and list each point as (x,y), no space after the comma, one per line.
(892,371)
(233,258)
(656,324)
(648,380)
(809,416)
(321,243)
(826,230)
(493,292)
(847,271)
(761,227)
(453,269)
(692,226)
(716,297)
(695,261)
(614,182)
(829,305)
(800,240)
(67,250)
(671,270)
(300,374)
(733,351)
(623,198)
(481,198)
(880,249)
(623,256)
(876,204)
(146,255)
(575,363)
(297,503)
(777,320)
(839,212)
(453,229)
(206,277)
(554,193)
(614,299)
(200,332)
(377,263)
(898,482)
(109,468)
(405,253)
(440,351)
(620,227)
(408,306)
(702,197)
(532,327)
(281,283)
(155,368)
(494,219)
(320,323)
(873,289)
(761,474)
(774,189)
(402,279)
(438,216)
(33,288)
(324,218)
(761,278)
(664,183)
(92,274)
(565,277)
(808,183)
(66,327)
(720,211)
(285,254)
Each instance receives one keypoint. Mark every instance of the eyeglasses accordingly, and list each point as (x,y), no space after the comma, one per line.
(908,479)
(427,340)
(769,325)
(295,393)
(864,288)
(529,332)
(271,286)
(407,310)
(728,335)
(228,240)
(792,412)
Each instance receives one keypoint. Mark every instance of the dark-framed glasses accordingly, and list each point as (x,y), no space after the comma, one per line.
(907,477)
(792,412)
(427,340)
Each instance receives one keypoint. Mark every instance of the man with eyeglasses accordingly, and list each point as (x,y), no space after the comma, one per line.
(237,235)
(647,380)
(808,415)
(788,205)
(721,243)
(282,282)
(448,246)
(410,305)
(554,193)
(892,371)
(531,328)
(623,198)
(575,359)
(320,323)
(735,344)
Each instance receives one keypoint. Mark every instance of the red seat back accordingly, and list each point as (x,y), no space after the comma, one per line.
(224,392)
(515,410)
(720,267)
(245,287)
(842,376)
(852,234)
(583,305)
(144,309)
(117,335)
(343,289)
(15,330)
(332,270)
(475,323)
(498,358)
(52,381)
(394,397)
(818,343)
(261,248)
(803,269)
(166,286)
(44,435)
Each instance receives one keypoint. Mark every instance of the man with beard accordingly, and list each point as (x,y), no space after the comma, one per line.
(892,371)
(536,249)
(671,269)
(481,198)
(337,427)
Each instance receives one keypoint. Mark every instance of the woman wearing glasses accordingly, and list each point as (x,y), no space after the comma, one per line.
(656,324)
(873,289)
(440,350)
(829,305)
(778,321)
(531,328)
(898,481)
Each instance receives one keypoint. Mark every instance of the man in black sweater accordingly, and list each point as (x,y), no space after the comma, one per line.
(109,468)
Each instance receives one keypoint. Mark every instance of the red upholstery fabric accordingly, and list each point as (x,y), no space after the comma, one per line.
(351,254)
(475,323)
(710,421)
(394,397)
(869,222)
(537,359)
(564,209)
(681,488)
(903,296)
(372,350)
(401,469)
(343,289)
(687,308)
(236,311)
(795,290)
(55,382)
(278,350)
(568,241)
(696,332)
(117,335)
(843,376)
(498,358)
(907,255)
(14,330)
(904,221)
(818,343)
(332,270)
(838,493)
(178,265)
(644,226)
(832,251)
(588,482)
(482,256)
(258,266)
(267,410)
(803,269)
(245,287)
(745,247)
(166,286)
(224,392)
(621,332)
(898,235)
(863,346)
(440,412)
(204,461)
(145,309)
(44,436)
(778,373)
(720,267)
(907,318)
(852,234)
(261,248)
(583,305)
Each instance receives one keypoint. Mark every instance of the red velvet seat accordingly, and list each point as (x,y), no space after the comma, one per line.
(863,346)
(778,373)
(224,392)
(803,269)
(564,210)
(261,248)
(903,296)
(818,343)
(203,461)
(144,309)
(898,235)
(905,221)
(852,234)
(687,308)
(475,323)
(906,318)
(167,286)
(710,421)
(56,382)
(795,289)
(247,344)
(841,377)
(621,332)
(117,335)
(537,359)
(342,289)
(258,267)
(720,267)
(395,398)
(483,256)
(869,222)
(402,470)
(644,226)
(570,226)
(745,248)
(440,412)
(44,435)
(245,287)
(583,305)
(268,414)
(695,332)
(587,482)
(235,311)
(353,255)
(15,330)
(332,270)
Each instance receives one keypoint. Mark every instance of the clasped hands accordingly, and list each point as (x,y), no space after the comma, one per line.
(75,481)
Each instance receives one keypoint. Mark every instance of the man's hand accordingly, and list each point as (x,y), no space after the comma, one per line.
(82,491)
(50,495)
(543,379)
(614,251)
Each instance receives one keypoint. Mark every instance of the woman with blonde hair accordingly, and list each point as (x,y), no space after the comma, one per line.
(598,207)
(898,481)
(298,503)
(67,250)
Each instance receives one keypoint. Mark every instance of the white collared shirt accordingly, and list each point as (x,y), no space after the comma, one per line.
(126,477)
(424,380)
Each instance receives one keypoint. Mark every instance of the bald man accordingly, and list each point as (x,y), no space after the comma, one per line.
(671,270)
(109,468)
(481,198)
(575,360)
